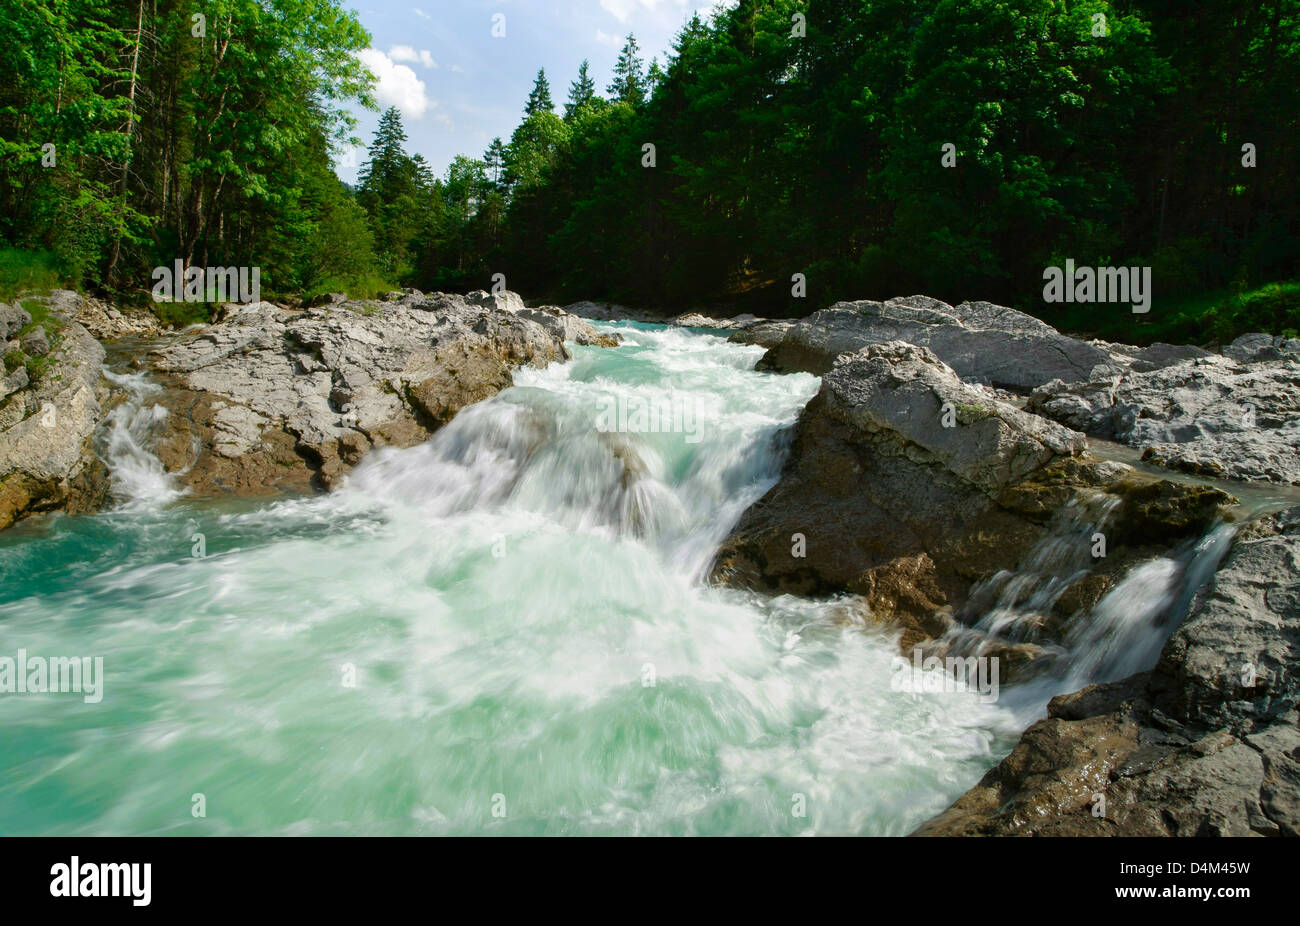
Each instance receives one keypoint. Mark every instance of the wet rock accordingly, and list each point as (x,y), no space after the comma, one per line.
(1244,628)
(890,503)
(1188,749)
(1159,355)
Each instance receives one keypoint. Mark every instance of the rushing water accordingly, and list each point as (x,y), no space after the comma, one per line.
(504,630)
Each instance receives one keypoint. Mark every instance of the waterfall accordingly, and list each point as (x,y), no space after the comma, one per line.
(1127,628)
(138,476)
(1120,635)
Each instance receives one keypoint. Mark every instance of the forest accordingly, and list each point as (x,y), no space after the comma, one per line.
(783,155)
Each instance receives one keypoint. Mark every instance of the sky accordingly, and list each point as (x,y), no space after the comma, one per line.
(458,86)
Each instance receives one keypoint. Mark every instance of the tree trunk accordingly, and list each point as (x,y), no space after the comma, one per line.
(111,272)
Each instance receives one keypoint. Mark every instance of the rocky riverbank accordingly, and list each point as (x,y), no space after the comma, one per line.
(267,400)
(273,399)
(51,400)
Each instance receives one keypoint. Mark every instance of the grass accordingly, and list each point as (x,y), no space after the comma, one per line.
(368,286)
(24,270)
(180,314)
(1215,317)
(42,317)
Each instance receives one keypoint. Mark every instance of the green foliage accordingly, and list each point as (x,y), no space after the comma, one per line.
(23,270)
(582,92)
(1213,317)
(213,149)
(820,155)
(823,155)
(181,314)
(539,100)
(629,84)
(42,317)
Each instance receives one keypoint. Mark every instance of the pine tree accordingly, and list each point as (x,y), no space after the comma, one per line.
(629,81)
(581,91)
(539,101)
(383,175)
(494,159)
(654,77)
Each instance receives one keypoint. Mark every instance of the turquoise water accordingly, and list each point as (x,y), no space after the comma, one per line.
(505,630)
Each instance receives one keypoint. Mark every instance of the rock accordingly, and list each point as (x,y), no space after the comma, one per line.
(569,327)
(891,504)
(103,320)
(696,320)
(327,299)
(1211,416)
(13,318)
(47,461)
(765,333)
(1159,355)
(35,343)
(506,300)
(612,312)
(1259,347)
(1185,750)
(1247,620)
(282,401)
(983,343)
(12,382)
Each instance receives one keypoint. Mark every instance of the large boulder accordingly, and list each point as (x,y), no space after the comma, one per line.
(1207,743)
(276,400)
(47,424)
(982,342)
(893,490)
(568,327)
(1212,415)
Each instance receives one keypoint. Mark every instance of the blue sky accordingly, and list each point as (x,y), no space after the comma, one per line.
(458,86)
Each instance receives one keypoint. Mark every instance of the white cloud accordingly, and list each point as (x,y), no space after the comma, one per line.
(607,39)
(622,10)
(419,12)
(396,84)
(457,69)
(407,53)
